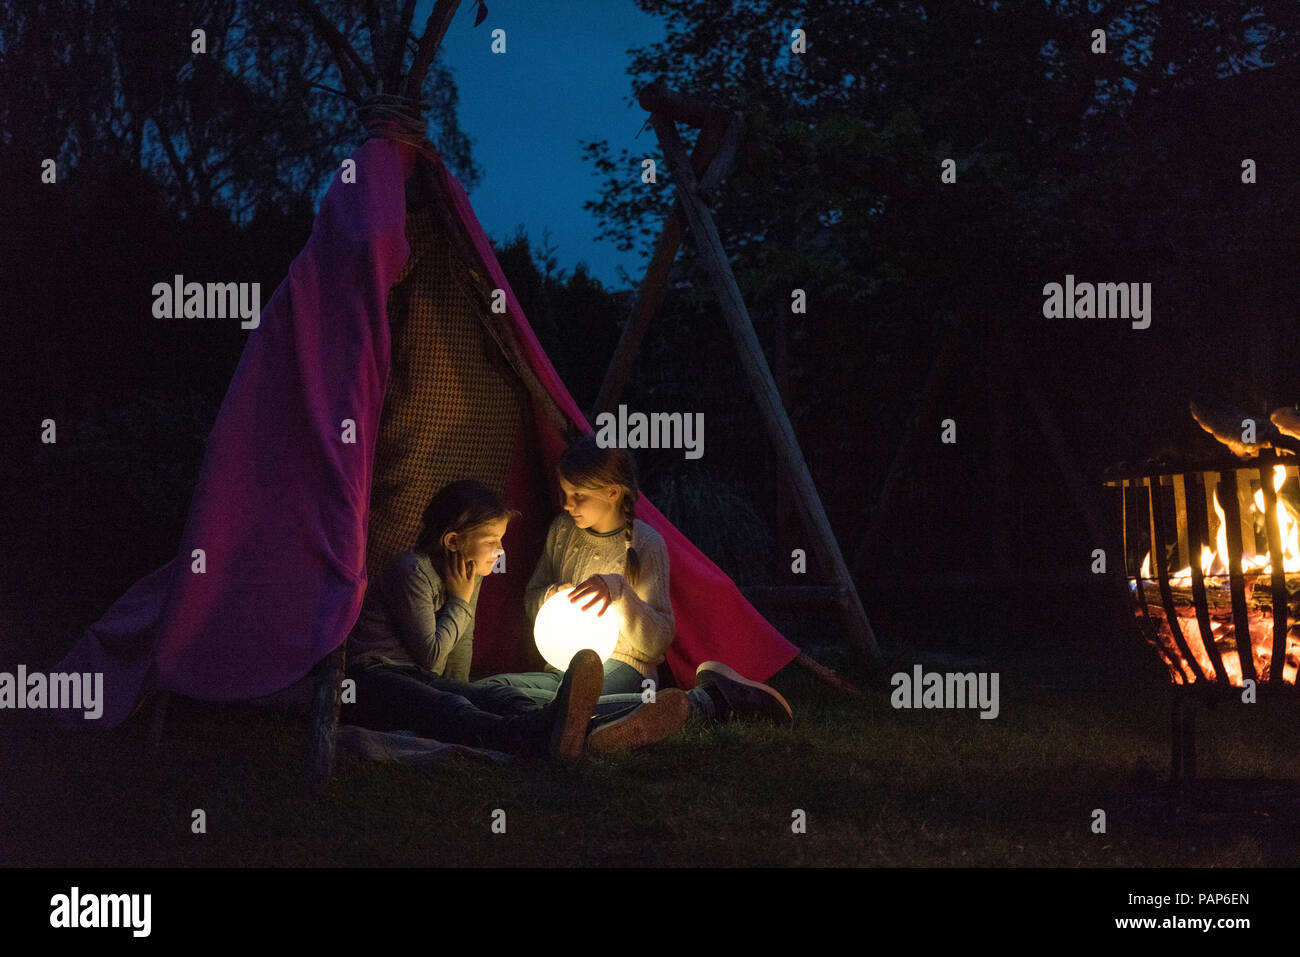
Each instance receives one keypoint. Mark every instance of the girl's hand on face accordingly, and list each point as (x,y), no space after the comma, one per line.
(460,576)
(596,587)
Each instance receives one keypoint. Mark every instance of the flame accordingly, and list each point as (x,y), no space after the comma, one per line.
(1285,521)
(1214,566)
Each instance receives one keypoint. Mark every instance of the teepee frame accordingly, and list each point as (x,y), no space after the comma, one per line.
(694,177)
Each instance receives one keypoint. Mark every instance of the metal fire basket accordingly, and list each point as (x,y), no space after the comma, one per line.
(1206,554)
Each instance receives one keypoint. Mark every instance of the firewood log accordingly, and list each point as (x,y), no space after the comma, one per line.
(1224,423)
(1287,420)
(1218,597)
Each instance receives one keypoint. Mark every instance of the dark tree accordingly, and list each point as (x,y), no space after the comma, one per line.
(837,191)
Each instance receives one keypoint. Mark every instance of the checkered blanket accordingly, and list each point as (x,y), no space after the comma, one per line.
(452,409)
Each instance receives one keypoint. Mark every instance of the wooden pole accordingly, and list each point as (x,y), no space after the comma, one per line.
(712,162)
(352,69)
(325,703)
(378,44)
(643,310)
(829,676)
(756,369)
(721,156)
(397,47)
(656,97)
(788,531)
(435,28)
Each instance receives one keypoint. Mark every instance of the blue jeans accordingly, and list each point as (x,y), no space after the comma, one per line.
(620,693)
(391,698)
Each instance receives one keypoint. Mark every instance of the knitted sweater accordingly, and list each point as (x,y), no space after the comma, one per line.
(409,618)
(572,554)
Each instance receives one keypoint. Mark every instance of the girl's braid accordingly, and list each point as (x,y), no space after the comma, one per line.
(632,570)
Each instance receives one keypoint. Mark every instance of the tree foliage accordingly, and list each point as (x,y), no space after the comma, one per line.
(242,126)
(837,191)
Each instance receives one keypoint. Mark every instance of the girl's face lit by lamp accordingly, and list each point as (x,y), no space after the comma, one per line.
(482,546)
(593,508)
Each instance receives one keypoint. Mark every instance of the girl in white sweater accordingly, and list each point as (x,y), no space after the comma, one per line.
(611,561)
(619,566)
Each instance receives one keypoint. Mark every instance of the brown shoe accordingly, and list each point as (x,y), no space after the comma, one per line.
(650,722)
(574,703)
(745,700)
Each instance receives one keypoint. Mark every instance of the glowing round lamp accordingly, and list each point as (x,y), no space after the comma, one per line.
(563,629)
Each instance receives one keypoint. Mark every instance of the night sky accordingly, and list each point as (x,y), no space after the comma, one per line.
(562,79)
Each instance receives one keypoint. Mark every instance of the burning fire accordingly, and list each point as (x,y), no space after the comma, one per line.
(1256,569)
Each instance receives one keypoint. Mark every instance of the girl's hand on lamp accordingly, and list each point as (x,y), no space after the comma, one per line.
(596,587)
(460,576)
(552,590)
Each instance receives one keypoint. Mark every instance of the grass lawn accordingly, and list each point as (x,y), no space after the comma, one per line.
(879,787)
